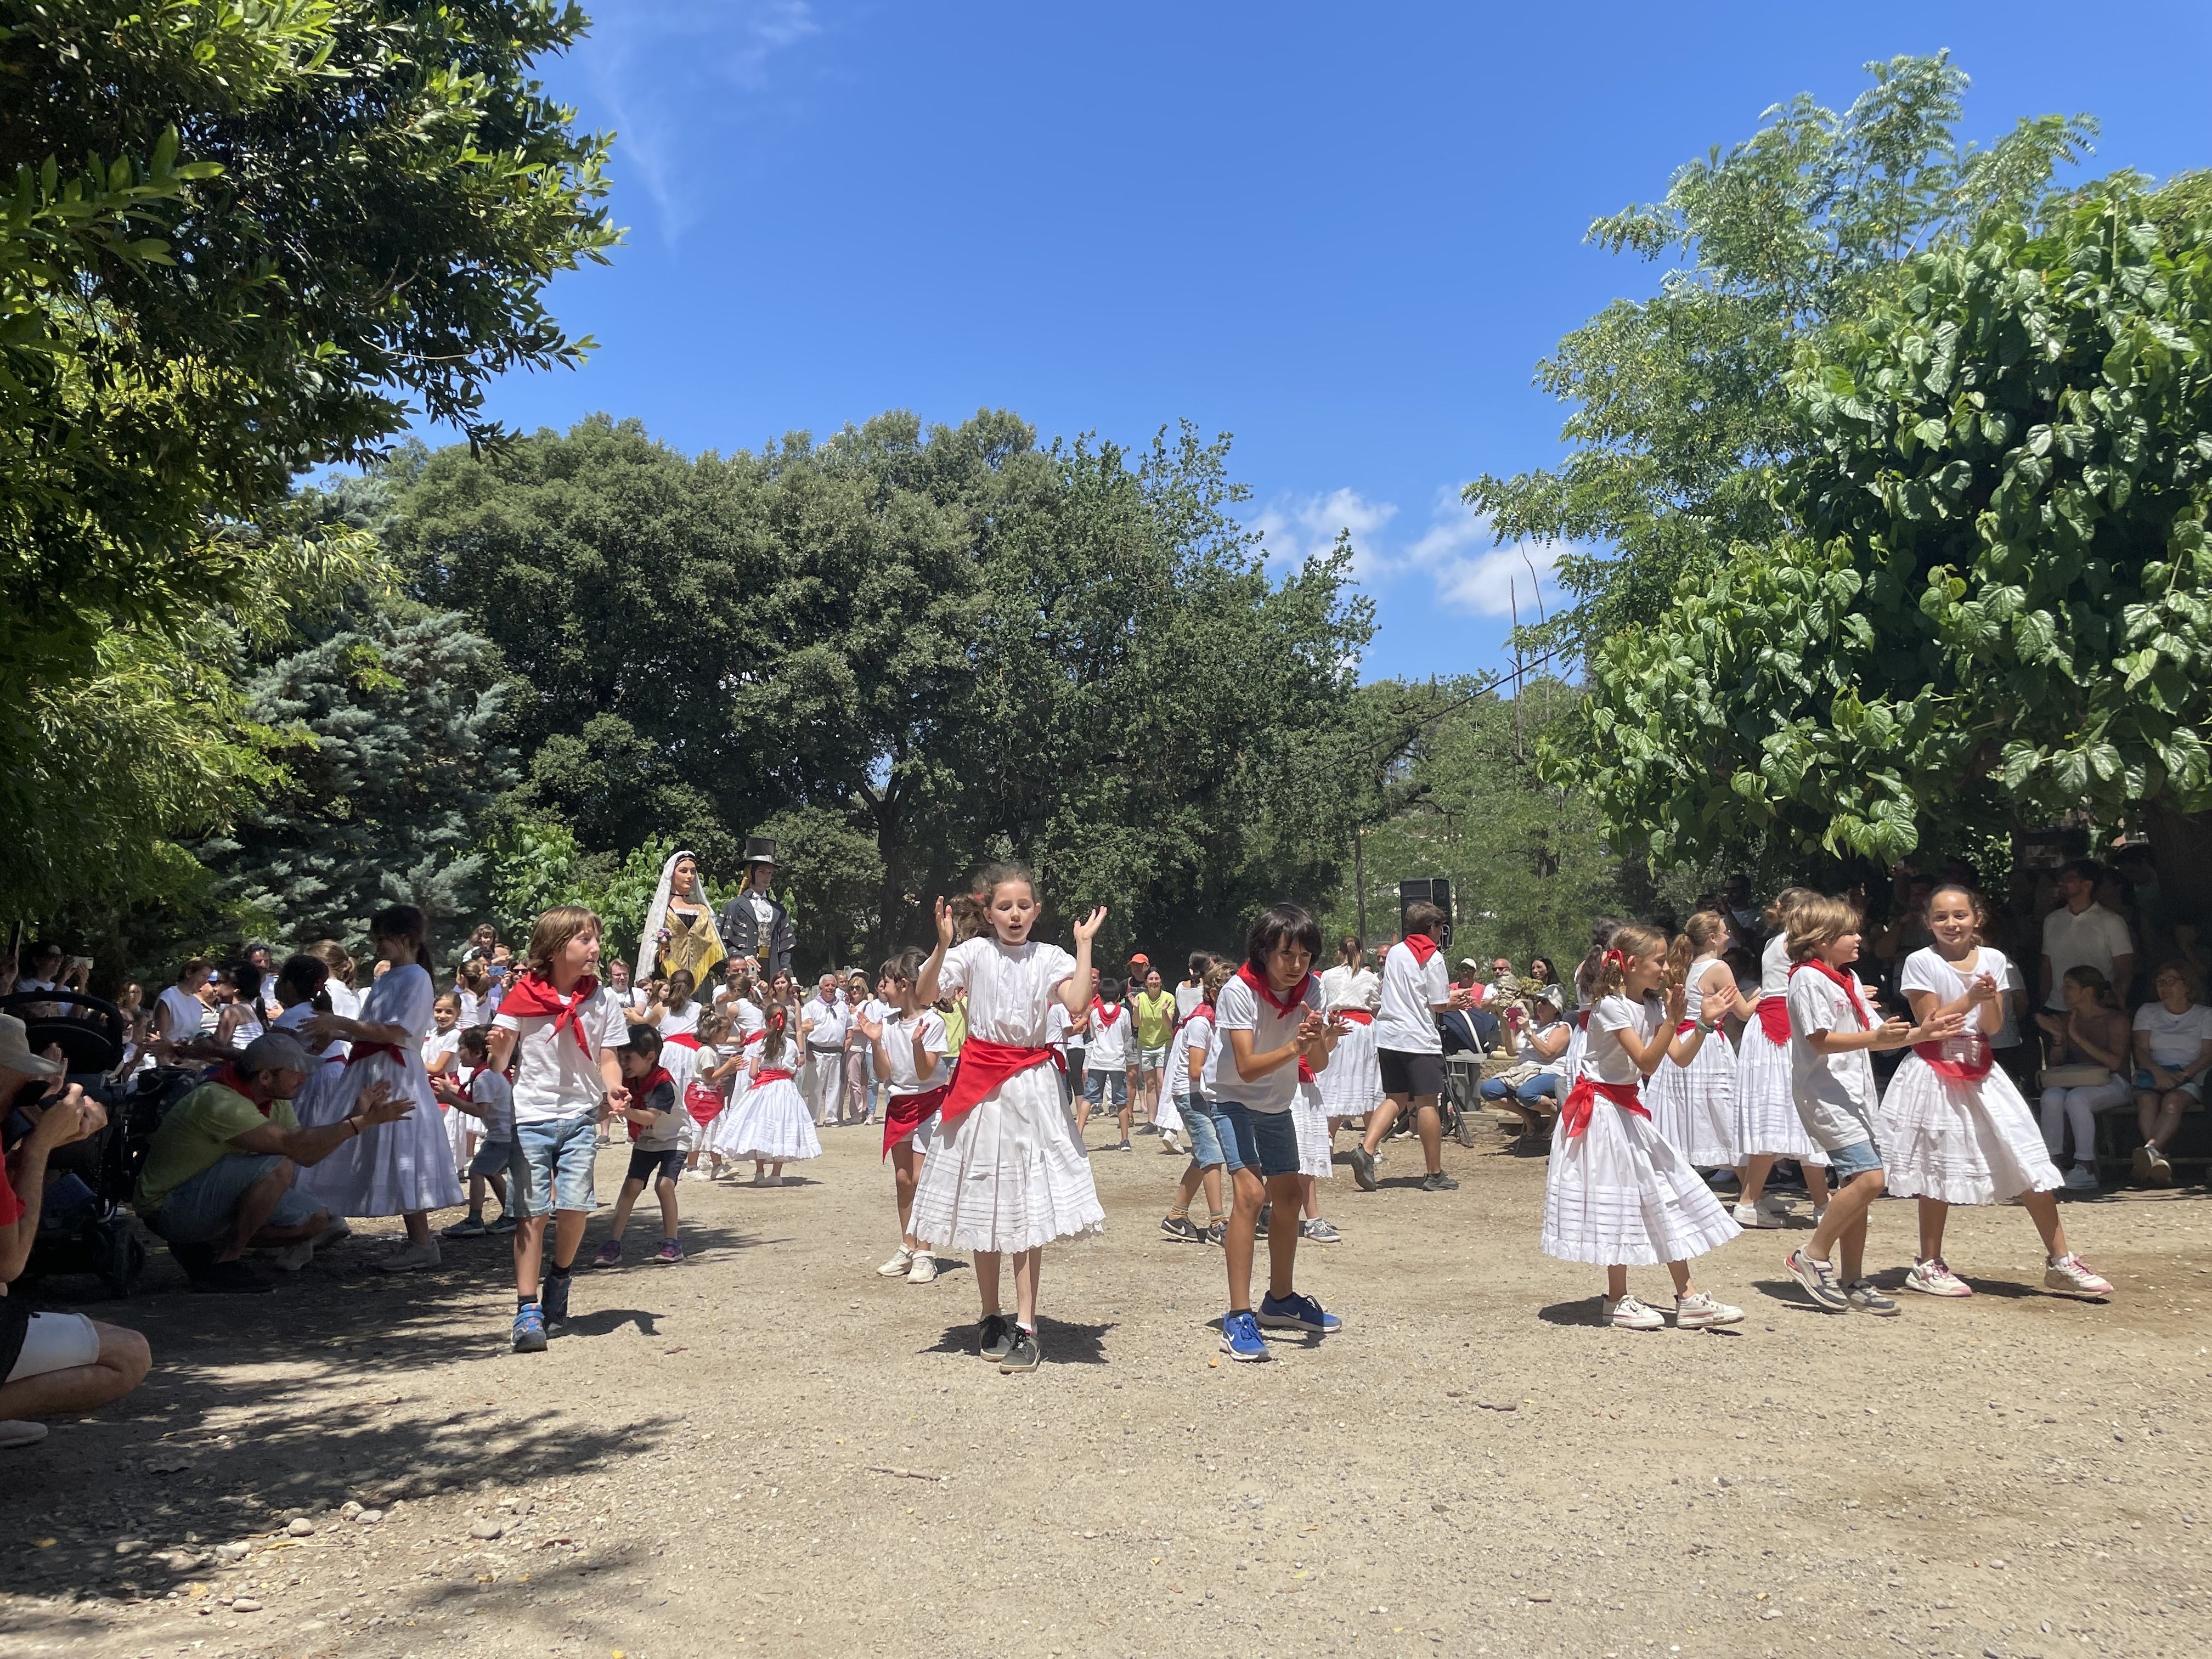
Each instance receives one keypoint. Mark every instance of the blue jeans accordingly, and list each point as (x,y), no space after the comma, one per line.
(205,1209)
(551,1169)
(1098,1080)
(1544,1086)
(1202,1123)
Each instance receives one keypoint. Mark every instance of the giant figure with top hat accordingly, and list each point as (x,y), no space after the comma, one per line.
(754,923)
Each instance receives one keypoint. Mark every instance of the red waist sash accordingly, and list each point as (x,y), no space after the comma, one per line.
(1963,1059)
(1357,1016)
(773,1074)
(984,1065)
(683,1039)
(1774,1018)
(362,1050)
(907,1113)
(1574,1113)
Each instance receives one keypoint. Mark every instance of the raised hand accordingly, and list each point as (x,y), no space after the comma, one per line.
(1087,929)
(1985,988)
(943,924)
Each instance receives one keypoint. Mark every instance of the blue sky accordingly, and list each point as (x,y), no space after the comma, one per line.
(1344,235)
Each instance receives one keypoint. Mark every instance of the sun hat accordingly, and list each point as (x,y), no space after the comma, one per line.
(15,1054)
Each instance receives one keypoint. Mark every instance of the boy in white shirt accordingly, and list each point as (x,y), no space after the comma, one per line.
(1408,1047)
(1831,1032)
(565,1033)
(1107,1061)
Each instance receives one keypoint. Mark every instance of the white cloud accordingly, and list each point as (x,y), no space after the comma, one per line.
(1466,573)
(675,77)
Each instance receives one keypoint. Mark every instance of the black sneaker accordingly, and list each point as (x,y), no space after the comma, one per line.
(1439,1182)
(997,1336)
(1259,1227)
(1182,1229)
(1362,1169)
(1022,1353)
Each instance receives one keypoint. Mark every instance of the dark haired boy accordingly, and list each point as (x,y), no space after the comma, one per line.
(1112,1051)
(1269,1021)
(485,1095)
(1409,1049)
(656,1153)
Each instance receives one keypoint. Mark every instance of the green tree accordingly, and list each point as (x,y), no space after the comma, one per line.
(1995,611)
(294,223)
(1679,409)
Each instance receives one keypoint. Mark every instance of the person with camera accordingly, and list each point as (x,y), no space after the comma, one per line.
(50,1363)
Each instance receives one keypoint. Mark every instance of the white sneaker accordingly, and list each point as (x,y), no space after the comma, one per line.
(1819,1214)
(410,1258)
(924,1271)
(1750,1216)
(1630,1314)
(2081,1179)
(1932,1278)
(1699,1312)
(2070,1276)
(902,1259)
(1777,1207)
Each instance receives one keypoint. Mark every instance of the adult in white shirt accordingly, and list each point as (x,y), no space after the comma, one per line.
(2173,1050)
(179,1013)
(1408,1049)
(2082,932)
(822,1077)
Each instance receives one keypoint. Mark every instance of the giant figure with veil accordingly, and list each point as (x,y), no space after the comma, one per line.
(679,928)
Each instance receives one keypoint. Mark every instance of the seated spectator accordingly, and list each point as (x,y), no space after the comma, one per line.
(1538,1083)
(181,1011)
(240,1021)
(1474,1028)
(217,1180)
(2173,1050)
(53,1363)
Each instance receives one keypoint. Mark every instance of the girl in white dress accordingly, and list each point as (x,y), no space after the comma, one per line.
(910,1057)
(1952,1128)
(1767,1126)
(770,1123)
(1316,1155)
(1008,1173)
(1352,1084)
(1694,1105)
(1617,1193)
(403,1168)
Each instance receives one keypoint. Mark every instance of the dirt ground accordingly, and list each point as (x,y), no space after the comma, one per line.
(768,1448)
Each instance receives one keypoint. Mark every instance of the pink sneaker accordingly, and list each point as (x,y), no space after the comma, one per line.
(2070,1276)
(1932,1277)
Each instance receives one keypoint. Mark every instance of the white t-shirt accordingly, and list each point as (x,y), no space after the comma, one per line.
(1058,1022)
(827,1020)
(1605,1058)
(1926,970)
(1239,1009)
(2094,939)
(1195,1033)
(681,1022)
(1112,1039)
(437,1046)
(1009,991)
(490,1090)
(898,1048)
(2174,1038)
(554,1078)
(1346,987)
(1404,1016)
(1835,1092)
(179,1013)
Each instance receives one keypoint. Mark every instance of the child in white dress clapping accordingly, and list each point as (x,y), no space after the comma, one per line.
(909,1059)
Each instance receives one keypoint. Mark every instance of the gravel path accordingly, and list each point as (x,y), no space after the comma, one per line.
(768,1448)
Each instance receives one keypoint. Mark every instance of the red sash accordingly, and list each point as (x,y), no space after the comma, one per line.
(533,993)
(773,1074)
(1965,1058)
(362,1050)
(1774,1019)
(1306,1071)
(1357,1016)
(1685,1028)
(1574,1114)
(907,1113)
(683,1040)
(984,1065)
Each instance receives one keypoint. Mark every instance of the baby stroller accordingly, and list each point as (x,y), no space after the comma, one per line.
(85,1225)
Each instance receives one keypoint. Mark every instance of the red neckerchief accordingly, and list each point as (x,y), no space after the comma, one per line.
(640,1088)
(1306,1071)
(1100,1009)
(1204,1011)
(1422,946)
(1849,982)
(533,994)
(1266,992)
(227,1076)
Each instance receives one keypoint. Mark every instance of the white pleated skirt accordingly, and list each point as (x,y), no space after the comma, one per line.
(462,1132)
(1352,1082)
(1310,1115)
(394,1169)
(1618,1195)
(1766,1121)
(1009,1174)
(1962,1142)
(1694,1106)
(1165,1117)
(770,1121)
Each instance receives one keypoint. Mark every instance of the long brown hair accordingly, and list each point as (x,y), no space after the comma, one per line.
(406,923)
(1696,939)
(1634,942)
(1776,915)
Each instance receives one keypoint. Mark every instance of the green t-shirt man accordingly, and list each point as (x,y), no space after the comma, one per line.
(1156,1018)
(196,1135)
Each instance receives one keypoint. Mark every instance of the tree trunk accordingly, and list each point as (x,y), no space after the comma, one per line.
(891,897)
(2181,849)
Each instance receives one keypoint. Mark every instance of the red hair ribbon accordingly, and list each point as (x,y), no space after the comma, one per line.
(1615,959)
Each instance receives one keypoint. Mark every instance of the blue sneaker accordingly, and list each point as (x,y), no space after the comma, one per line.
(529,1329)
(1241,1338)
(1297,1313)
(553,1297)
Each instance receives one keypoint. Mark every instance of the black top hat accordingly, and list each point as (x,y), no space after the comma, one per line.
(759,849)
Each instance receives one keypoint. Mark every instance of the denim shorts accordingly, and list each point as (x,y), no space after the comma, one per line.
(1097,1081)
(1266,1143)
(1856,1160)
(551,1169)
(492,1158)
(205,1209)
(1202,1124)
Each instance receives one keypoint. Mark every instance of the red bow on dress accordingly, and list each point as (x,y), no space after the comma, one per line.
(533,994)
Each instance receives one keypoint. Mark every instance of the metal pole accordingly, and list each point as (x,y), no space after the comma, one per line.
(1513,593)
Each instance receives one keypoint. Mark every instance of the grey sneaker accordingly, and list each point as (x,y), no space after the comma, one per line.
(1216,1234)
(996,1336)
(1439,1182)
(1362,1169)
(1182,1229)
(1318,1231)
(1819,1279)
(1022,1353)
(1865,1298)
